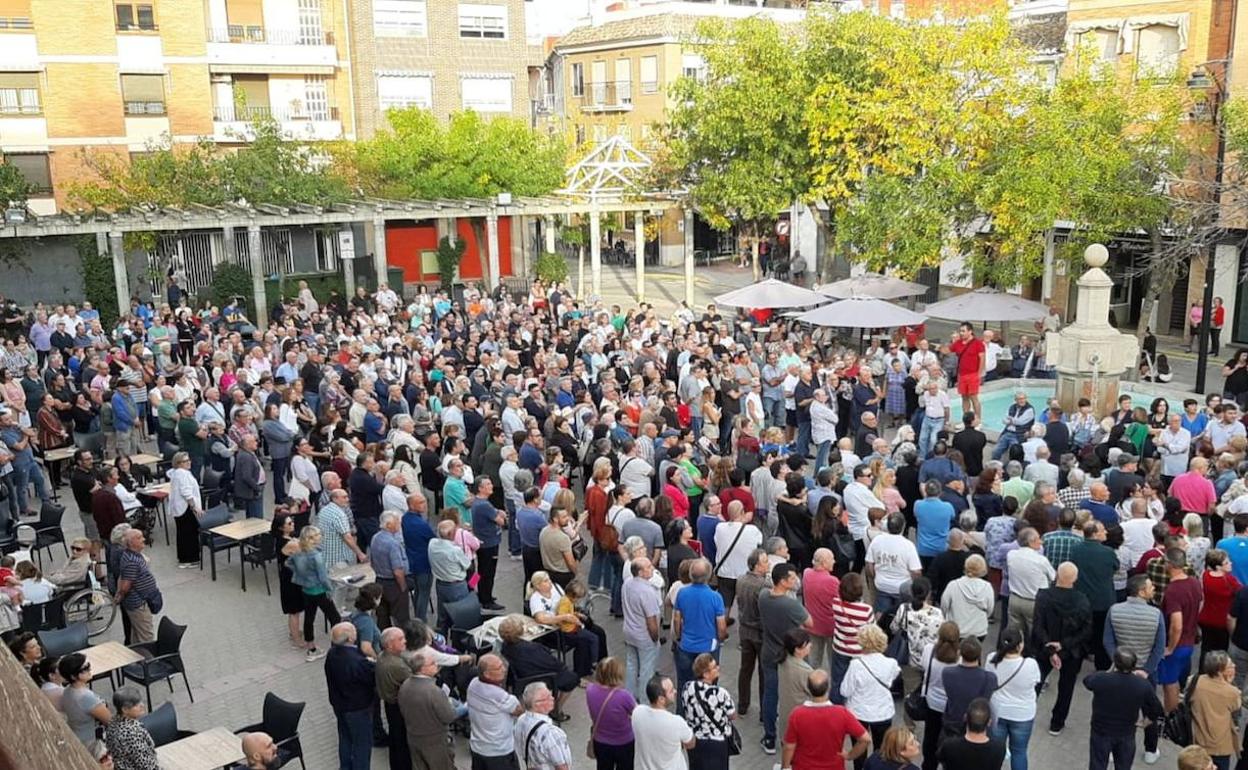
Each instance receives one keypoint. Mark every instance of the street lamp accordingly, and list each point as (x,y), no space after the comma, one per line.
(1202,80)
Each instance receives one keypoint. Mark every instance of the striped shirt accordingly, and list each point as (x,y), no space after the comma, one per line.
(1059,545)
(142,581)
(849,617)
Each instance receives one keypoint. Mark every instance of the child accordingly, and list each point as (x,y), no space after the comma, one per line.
(35,590)
(10,585)
(567,605)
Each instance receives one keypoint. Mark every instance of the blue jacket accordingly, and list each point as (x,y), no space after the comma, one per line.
(308,570)
(123,412)
(416,536)
(350,678)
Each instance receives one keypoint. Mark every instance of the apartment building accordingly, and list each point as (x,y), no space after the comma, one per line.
(113,76)
(443,55)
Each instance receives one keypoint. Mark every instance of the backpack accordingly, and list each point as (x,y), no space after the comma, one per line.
(609,537)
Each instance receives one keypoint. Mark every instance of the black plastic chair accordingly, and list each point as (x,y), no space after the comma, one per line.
(214,517)
(48,531)
(258,552)
(280,719)
(465,615)
(162,724)
(62,641)
(45,616)
(517,685)
(162,660)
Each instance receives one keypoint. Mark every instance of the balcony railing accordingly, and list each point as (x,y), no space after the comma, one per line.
(252,113)
(16,22)
(608,96)
(139,108)
(240,33)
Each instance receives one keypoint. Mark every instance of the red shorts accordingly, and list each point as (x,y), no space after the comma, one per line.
(968,384)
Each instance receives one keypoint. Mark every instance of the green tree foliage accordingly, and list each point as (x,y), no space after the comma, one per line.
(551,267)
(230,280)
(99,285)
(450,254)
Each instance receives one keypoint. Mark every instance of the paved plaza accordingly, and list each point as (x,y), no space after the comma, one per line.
(236,650)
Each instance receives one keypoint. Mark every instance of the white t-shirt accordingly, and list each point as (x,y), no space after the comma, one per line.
(935,406)
(635,474)
(1015,698)
(894,558)
(733,565)
(659,738)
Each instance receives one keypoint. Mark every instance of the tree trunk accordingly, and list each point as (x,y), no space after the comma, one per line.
(1160,280)
(754,258)
(580,271)
(824,270)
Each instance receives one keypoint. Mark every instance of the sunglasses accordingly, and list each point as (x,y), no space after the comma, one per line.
(76,549)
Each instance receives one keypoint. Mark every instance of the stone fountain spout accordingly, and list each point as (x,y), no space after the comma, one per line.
(1090,355)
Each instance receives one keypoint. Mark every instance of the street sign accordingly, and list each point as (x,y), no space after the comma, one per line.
(346,244)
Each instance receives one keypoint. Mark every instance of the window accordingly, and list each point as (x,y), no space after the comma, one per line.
(143,94)
(15,14)
(623,81)
(600,134)
(19,93)
(578,79)
(316,97)
(487,22)
(487,94)
(625,132)
(649,74)
(693,66)
(398,91)
(311,32)
(1101,44)
(1157,52)
(400,18)
(135,16)
(34,168)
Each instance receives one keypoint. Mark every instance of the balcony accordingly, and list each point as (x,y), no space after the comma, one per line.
(608,96)
(257,47)
(233,123)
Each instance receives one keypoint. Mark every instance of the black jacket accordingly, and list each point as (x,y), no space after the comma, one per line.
(1062,615)
(351,679)
(365,492)
(971,443)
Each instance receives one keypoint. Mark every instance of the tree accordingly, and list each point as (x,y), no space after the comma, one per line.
(468,157)
(736,138)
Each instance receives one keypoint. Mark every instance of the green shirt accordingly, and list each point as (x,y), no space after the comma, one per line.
(188,439)
(167,414)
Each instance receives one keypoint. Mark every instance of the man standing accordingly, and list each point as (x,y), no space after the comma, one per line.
(1119,698)
(1180,607)
(778,612)
(192,436)
(1196,494)
(642,614)
(137,592)
(487,524)
(974,750)
(1236,547)
(248,478)
(892,561)
(971,363)
(106,508)
(749,587)
(539,741)
(1136,626)
(1096,564)
(816,731)
(19,440)
(126,418)
(417,534)
(1174,444)
(1029,573)
(449,565)
(351,680)
(392,671)
(1061,632)
(425,713)
(338,542)
(389,560)
(556,549)
(1098,503)
(530,523)
(803,395)
(492,712)
(934,518)
(935,404)
(859,500)
(699,623)
(970,441)
(660,736)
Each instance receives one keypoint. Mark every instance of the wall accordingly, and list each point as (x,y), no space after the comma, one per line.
(51,273)
(406,240)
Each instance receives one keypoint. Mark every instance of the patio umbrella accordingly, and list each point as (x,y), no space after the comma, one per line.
(872,285)
(987,304)
(861,313)
(771,294)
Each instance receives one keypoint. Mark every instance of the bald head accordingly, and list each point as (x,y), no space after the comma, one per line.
(492,669)
(1067,574)
(259,749)
(1099,492)
(342,633)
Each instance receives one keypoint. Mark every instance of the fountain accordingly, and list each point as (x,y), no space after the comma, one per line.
(1090,355)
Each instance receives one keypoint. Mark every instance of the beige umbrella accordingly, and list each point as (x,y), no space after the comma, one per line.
(987,304)
(862,313)
(872,285)
(771,294)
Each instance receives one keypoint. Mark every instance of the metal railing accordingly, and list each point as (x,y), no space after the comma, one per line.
(607,95)
(248,33)
(251,113)
(145,108)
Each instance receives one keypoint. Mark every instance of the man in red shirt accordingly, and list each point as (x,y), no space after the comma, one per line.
(815,738)
(970,352)
(1197,495)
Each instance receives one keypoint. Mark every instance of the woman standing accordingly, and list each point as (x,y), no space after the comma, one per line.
(1215,703)
(1014,700)
(51,434)
(184,504)
(918,620)
(1219,587)
(610,707)
(286,545)
(279,438)
(792,674)
(84,710)
(309,573)
(899,751)
(867,686)
(849,614)
(936,658)
(709,710)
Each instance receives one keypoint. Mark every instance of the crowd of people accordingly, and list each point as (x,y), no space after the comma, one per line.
(902,587)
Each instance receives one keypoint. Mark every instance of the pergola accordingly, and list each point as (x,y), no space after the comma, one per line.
(110,228)
(612,178)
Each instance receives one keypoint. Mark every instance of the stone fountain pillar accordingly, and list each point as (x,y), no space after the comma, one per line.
(1090,355)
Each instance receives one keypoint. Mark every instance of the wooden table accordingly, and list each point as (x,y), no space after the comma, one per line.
(139,459)
(241,531)
(208,750)
(60,454)
(355,575)
(107,657)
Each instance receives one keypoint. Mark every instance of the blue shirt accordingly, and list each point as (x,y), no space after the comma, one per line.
(1195,426)
(1236,547)
(416,536)
(483,524)
(530,457)
(386,553)
(530,522)
(1103,512)
(373,429)
(935,517)
(12,436)
(706,535)
(699,606)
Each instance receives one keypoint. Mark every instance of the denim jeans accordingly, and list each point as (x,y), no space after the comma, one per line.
(771,700)
(615,565)
(254,508)
(684,669)
(773,412)
(597,570)
(355,739)
(1016,734)
(886,603)
(803,438)
(821,455)
(837,668)
(422,585)
(280,470)
(1006,440)
(927,436)
(1101,747)
(639,666)
(23,477)
(513,529)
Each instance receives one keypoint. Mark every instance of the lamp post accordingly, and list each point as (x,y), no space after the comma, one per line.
(1202,80)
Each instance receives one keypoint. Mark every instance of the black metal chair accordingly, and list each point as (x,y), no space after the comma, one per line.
(44,616)
(62,641)
(258,552)
(280,719)
(162,660)
(48,531)
(162,724)
(214,517)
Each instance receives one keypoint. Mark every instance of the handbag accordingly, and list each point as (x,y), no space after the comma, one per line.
(593,730)
(915,703)
(1177,725)
(733,738)
(899,646)
(298,491)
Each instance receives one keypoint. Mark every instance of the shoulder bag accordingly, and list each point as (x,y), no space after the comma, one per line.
(899,645)
(528,741)
(1021,662)
(593,730)
(733,737)
(915,703)
(1177,725)
(714,581)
